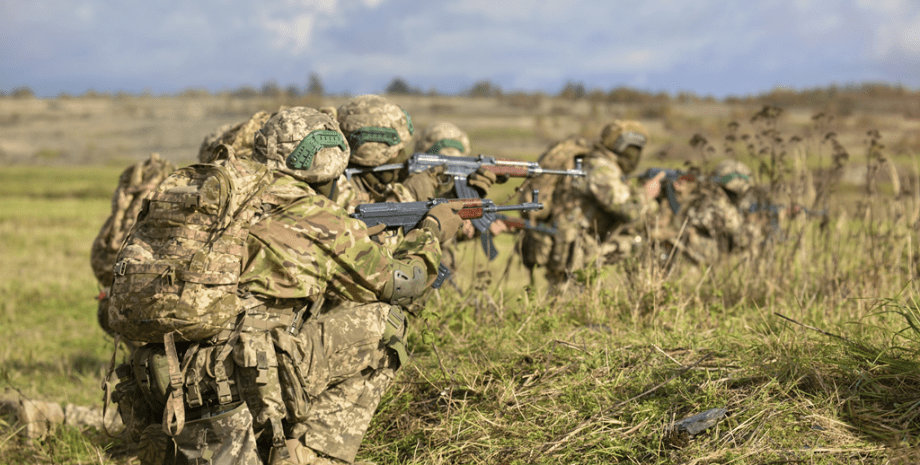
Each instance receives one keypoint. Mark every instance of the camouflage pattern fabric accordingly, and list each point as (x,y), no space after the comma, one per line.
(223,438)
(179,271)
(714,225)
(588,213)
(352,365)
(134,185)
(374,111)
(239,136)
(442,138)
(536,247)
(311,247)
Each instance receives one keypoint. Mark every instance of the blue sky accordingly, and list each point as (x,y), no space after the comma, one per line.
(707,47)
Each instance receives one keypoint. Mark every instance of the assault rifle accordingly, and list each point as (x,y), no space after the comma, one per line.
(408,215)
(521,223)
(672,176)
(461,167)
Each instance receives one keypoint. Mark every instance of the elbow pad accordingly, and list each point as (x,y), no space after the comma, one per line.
(405,283)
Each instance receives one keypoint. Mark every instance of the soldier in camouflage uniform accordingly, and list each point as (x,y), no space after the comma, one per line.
(591,213)
(379,132)
(714,219)
(325,376)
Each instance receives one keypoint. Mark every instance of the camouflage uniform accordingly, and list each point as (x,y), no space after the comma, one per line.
(591,214)
(715,222)
(326,379)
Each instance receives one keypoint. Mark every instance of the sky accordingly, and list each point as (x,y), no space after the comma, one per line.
(706,47)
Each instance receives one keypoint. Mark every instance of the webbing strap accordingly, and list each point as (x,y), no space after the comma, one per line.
(174,413)
(107,389)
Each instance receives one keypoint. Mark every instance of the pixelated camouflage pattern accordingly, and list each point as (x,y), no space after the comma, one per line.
(257,377)
(374,111)
(284,131)
(179,271)
(588,213)
(240,136)
(134,184)
(715,225)
(537,247)
(558,156)
(224,438)
(440,131)
(738,176)
(311,248)
(359,368)
(611,132)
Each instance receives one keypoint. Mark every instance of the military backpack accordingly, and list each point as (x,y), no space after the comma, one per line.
(180,266)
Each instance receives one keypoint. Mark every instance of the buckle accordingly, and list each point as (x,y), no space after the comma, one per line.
(119,269)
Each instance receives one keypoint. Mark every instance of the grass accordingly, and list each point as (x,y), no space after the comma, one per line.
(810,345)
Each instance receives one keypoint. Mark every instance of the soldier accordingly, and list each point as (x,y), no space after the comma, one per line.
(379,132)
(302,392)
(590,213)
(714,218)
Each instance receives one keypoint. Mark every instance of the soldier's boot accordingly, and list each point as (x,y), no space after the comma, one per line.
(303,455)
(34,416)
(81,417)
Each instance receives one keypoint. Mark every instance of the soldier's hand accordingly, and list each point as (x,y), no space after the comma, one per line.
(653,186)
(429,184)
(482,180)
(467,230)
(445,215)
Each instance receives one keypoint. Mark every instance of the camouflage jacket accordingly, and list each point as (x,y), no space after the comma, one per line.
(600,202)
(307,246)
(714,224)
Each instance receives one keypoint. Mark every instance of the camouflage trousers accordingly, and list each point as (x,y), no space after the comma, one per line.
(361,347)
(330,378)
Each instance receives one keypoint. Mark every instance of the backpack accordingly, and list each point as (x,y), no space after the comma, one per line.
(559,156)
(179,269)
(134,184)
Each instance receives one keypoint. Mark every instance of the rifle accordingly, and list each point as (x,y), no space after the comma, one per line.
(521,223)
(670,177)
(461,167)
(408,215)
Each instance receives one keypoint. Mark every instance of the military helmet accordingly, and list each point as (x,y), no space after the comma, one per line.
(625,139)
(239,136)
(376,130)
(620,134)
(303,143)
(443,139)
(733,176)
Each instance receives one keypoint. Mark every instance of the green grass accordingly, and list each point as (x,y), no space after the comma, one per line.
(504,373)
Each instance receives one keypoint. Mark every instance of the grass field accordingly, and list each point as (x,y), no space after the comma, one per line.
(504,373)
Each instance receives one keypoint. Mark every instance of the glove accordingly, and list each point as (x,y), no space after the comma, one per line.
(443,220)
(481,180)
(429,184)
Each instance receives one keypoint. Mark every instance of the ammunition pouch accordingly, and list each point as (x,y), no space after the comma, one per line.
(226,436)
